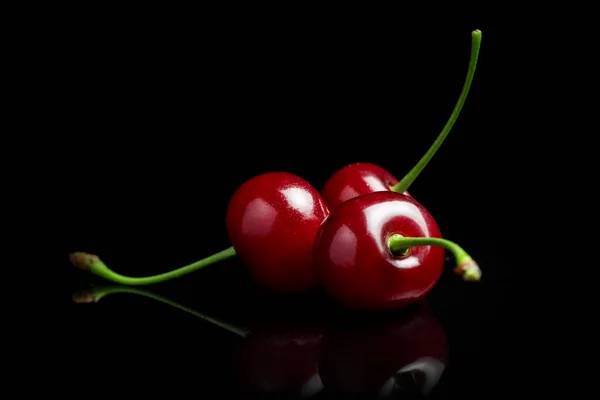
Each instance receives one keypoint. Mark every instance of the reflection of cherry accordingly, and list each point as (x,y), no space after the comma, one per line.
(274,359)
(280,360)
(386,357)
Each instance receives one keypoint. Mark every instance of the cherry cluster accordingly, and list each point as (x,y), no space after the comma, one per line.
(367,241)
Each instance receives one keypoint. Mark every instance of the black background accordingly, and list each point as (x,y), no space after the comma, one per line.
(158,121)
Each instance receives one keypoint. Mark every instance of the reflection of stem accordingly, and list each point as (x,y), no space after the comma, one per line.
(96,293)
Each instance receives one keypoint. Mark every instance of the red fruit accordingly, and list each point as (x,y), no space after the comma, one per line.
(357,267)
(281,360)
(272,220)
(354,180)
(395,357)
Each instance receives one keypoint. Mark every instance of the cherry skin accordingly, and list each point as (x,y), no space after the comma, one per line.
(355,264)
(272,220)
(393,356)
(354,180)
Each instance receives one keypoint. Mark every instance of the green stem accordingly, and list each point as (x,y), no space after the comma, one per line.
(465,265)
(96,266)
(410,177)
(96,293)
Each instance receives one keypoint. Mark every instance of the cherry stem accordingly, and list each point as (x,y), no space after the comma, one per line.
(466,267)
(98,292)
(412,175)
(96,266)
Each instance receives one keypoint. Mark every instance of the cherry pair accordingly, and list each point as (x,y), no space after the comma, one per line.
(349,355)
(365,239)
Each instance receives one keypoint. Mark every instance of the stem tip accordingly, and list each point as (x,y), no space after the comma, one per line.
(82,260)
(469,270)
(84,296)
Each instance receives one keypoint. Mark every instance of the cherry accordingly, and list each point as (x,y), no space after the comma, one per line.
(272,220)
(390,356)
(362,177)
(383,250)
(356,179)
(274,358)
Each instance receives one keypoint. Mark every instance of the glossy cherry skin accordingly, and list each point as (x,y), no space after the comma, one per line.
(386,356)
(280,360)
(355,265)
(354,180)
(272,220)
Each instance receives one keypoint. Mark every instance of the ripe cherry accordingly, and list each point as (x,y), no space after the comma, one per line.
(356,179)
(383,250)
(384,356)
(273,358)
(272,220)
(359,178)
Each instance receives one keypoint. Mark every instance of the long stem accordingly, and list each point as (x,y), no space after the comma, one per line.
(96,293)
(96,266)
(465,265)
(410,177)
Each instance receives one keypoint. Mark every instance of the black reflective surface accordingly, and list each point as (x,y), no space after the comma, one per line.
(215,333)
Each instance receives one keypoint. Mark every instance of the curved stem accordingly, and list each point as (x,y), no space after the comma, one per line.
(94,264)
(465,265)
(410,177)
(96,293)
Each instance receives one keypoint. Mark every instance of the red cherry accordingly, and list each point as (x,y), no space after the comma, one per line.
(272,220)
(354,180)
(387,356)
(383,250)
(359,178)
